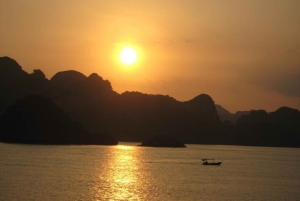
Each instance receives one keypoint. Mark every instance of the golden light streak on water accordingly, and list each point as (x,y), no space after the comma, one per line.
(123,169)
(30,172)
(122,178)
(125,147)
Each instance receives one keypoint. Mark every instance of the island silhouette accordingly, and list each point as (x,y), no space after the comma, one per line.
(35,119)
(131,116)
(162,141)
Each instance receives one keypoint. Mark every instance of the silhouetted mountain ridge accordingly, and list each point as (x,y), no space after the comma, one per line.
(129,116)
(135,116)
(280,128)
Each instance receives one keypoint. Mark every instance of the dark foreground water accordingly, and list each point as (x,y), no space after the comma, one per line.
(123,172)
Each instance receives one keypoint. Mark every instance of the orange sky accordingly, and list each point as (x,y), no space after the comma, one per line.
(244,54)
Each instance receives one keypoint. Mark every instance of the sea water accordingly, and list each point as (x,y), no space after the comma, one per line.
(129,172)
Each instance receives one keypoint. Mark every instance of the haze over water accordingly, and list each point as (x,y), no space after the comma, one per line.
(126,172)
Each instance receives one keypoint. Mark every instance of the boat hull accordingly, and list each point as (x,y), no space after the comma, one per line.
(217,163)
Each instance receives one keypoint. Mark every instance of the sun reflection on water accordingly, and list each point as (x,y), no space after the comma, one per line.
(125,147)
(120,175)
(123,173)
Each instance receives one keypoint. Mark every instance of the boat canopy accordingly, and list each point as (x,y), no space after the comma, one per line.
(205,159)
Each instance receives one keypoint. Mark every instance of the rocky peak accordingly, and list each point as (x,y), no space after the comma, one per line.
(67,79)
(98,82)
(202,99)
(285,114)
(10,69)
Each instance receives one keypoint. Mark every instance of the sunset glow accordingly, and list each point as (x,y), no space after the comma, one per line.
(150,100)
(244,54)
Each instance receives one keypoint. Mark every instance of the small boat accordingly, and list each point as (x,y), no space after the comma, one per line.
(210,161)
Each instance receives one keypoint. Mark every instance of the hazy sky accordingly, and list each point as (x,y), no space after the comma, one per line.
(244,54)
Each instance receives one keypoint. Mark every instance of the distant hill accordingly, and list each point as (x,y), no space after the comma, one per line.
(226,115)
(280,128)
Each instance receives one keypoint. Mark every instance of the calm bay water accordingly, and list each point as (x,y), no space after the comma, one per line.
(128,172)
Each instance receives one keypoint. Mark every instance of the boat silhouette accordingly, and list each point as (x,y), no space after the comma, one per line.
(210,161)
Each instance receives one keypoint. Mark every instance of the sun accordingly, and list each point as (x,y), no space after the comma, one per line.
(128,56)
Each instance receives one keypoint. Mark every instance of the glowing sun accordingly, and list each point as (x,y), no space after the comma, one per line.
(128,56)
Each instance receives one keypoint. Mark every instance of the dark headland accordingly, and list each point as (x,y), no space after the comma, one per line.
(35,119)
